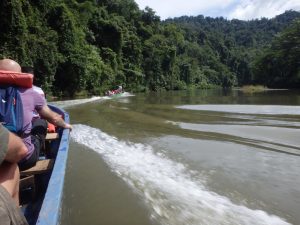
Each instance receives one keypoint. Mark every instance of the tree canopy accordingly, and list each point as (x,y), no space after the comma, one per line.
(92,45)
(279,65)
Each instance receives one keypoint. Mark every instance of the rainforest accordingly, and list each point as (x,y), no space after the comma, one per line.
(89,46)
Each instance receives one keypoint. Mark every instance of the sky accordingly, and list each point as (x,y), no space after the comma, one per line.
(238,9)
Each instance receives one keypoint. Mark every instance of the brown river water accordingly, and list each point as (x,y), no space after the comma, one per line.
(186,157)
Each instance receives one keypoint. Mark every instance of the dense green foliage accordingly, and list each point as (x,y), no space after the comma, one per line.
(91,45)
(234,45)
(279,65)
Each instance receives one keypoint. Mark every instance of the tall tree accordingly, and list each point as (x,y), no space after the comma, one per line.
(279,65)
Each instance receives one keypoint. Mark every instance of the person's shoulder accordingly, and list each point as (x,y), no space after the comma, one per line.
(38,90)
(25,90)
(30,92)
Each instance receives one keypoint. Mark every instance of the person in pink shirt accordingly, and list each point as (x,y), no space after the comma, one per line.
(34,133)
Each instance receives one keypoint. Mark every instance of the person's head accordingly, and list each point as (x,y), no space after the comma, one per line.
(10,65)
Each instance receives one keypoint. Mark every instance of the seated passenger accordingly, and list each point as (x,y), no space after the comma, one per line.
(12,150)
(120,89)
(28,69)
(33,134)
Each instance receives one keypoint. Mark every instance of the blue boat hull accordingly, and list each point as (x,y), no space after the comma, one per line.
(47,208)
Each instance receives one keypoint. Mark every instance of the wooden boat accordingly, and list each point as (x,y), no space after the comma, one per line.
(116,95)
(116,92)
(41,187)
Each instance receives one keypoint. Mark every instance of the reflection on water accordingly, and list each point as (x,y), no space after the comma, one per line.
(282,139)
(215,164)
(247,109)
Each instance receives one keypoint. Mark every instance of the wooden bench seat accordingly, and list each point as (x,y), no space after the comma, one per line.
(51,136)
(29,183)
(41,166)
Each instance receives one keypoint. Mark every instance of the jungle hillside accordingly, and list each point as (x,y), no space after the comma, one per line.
(90,46)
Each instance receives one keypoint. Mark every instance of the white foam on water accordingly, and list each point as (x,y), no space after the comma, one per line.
(246,109)
(127,94)
(122,95)
(74,102)
(68,103)
(174,194)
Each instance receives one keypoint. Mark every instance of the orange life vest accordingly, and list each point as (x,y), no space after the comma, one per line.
(18,79)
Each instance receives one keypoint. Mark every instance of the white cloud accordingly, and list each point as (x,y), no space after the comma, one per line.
(173,8)
(240,9)
(249,9)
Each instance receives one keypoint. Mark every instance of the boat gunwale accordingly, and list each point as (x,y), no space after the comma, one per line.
(51,208)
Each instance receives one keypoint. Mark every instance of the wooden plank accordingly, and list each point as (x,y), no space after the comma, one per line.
(41,166)
(51,136)
(26,181)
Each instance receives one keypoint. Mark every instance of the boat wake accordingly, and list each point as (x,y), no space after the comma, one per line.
(122,95)
(174,194)
(75,102)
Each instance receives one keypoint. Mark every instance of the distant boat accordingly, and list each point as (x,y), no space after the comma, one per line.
(115,92)
(41,187)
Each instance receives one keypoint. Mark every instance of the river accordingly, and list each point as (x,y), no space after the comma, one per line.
(185,157)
